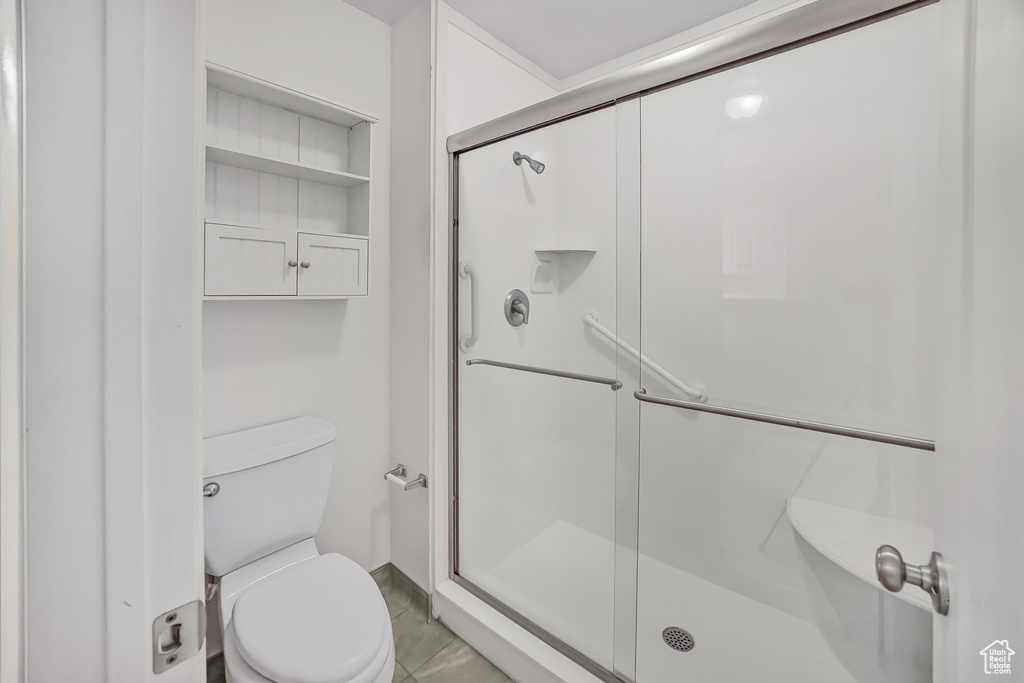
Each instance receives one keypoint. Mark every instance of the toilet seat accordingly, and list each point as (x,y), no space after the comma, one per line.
(321,621)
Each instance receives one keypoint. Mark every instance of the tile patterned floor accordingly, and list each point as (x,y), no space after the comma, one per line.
(424,653)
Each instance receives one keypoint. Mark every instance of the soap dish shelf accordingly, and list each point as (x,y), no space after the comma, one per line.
(850,538)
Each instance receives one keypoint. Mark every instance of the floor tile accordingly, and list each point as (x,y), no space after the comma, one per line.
(397,596)
(416,641)
(400,674)
(215,669)
(459,663)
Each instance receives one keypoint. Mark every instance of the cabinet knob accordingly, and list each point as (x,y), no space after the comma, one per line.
(293,263)
(304,264)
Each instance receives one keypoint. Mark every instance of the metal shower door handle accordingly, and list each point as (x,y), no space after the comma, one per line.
(893,573)
(466,272)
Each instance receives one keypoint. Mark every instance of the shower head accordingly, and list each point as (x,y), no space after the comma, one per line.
(535,165)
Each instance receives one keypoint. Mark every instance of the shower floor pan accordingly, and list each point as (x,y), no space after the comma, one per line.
(562,579)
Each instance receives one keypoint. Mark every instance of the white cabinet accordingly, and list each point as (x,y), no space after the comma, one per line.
(332,265)
(258,262)
(249,261)
(287,181)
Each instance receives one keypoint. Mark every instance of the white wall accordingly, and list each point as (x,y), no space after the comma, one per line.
(422,104)
(411,88)
(270,361)
(64,351)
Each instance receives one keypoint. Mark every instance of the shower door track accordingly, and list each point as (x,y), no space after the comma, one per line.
(722,51)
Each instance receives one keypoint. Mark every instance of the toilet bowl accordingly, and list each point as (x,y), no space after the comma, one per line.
(288,613)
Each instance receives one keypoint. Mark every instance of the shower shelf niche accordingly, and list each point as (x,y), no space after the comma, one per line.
(850,538)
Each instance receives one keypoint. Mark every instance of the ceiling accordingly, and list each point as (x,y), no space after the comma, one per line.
(565,37)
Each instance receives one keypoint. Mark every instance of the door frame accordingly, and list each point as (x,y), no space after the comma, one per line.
(12,428)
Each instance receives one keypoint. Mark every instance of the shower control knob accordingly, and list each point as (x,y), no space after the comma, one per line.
(517,308)
(893,573)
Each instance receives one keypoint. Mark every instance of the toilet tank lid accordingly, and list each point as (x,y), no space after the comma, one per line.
(260,445)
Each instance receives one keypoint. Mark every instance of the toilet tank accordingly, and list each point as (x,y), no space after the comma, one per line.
(273,482)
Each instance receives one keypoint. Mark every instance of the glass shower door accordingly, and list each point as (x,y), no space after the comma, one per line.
(788,266)
(536,383)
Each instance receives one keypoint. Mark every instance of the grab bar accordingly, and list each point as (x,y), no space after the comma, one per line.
(613,383)
(466,272)
(696,392)
(867,435)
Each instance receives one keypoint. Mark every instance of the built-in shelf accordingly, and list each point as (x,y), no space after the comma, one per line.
(235,82)
(257,162)
(286,192)
(850,538)
(256,226)
(560,251)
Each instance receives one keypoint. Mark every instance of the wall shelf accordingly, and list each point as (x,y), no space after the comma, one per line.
(287,193)
(288,169)
(850,538)
(257,226)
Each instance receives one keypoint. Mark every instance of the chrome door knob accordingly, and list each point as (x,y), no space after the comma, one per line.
(893,573)
(211,489)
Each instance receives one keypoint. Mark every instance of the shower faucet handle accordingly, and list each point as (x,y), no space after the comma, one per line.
(517,308)
(893,573)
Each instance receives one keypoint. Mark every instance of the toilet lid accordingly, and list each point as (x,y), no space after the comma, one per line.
(322,621)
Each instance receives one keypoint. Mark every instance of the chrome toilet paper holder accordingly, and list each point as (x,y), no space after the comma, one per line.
(397,476)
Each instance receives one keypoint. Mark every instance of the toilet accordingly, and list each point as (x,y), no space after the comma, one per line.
(288,614)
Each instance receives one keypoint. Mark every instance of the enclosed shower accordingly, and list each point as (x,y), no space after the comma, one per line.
(695,362)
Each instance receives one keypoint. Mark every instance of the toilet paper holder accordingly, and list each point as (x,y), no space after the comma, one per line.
(397,476)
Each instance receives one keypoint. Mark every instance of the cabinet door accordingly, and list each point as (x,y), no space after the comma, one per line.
(336,265)
(249,261)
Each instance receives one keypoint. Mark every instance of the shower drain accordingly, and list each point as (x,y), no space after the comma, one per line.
(678,639)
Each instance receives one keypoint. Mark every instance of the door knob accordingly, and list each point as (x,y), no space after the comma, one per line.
(893,573)
(304,264)
(293,263)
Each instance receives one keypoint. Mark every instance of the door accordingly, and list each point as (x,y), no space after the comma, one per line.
(249,261)
(112,535)
(538,382)
(790,265)
(332,265)
(835,237)
(980,437)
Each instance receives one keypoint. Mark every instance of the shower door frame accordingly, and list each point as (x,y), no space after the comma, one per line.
(733,47)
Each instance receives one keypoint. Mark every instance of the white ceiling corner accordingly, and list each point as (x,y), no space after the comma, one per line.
(388,11)
(565,37)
